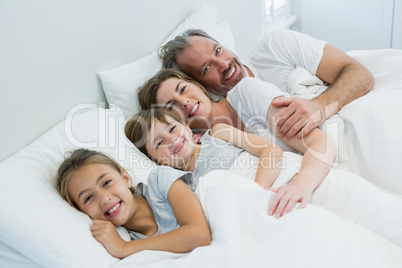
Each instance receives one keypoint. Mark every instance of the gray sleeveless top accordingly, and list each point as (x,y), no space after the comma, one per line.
(215,154)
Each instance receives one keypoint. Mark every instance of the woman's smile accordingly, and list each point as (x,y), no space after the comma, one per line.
(195,109)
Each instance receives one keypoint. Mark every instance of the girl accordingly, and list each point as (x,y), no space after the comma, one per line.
(98,186)
(165,138)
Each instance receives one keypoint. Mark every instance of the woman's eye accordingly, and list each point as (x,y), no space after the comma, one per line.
(218,50)
(206,69)
(106,183)
(183,89)
(172,129)
(86,200)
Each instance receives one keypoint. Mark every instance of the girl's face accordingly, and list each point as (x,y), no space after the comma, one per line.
(170,144)
(188,100)
(103,193)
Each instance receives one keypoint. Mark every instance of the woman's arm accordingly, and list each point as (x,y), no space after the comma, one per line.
(193,231)
(319,154)
(269,153)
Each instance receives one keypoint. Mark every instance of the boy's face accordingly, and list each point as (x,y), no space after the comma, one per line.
(103,193)
(211,64)
(170,144)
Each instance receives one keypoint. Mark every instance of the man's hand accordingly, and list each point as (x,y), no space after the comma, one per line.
(298,118)
(105,233)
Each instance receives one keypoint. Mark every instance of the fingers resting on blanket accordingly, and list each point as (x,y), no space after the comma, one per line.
(105,233)
(286,198)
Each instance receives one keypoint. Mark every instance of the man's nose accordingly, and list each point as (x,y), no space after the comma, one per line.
(222,64)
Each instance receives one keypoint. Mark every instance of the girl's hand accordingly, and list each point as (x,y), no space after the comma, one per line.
(286,198)
(106,234)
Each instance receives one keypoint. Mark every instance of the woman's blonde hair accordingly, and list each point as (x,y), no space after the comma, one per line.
(138,126)
(80,158)
(147,93)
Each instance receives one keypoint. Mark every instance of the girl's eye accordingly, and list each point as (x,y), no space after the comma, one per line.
(182,89)
(106,183)
(218,50)
(86,200)
(159,144)
(172,129)
(206,69)
(171,107)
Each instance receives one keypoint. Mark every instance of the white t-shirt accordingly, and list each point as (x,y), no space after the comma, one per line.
(251,99)
(280,52)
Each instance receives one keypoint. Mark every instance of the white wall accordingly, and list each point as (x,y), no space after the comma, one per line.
(244,19)
(51,52)
(397,26)
(348,24)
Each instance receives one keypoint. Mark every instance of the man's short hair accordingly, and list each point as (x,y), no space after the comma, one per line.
(174,47)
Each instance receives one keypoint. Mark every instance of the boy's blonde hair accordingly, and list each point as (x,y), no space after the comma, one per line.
(138,126)
(80,158)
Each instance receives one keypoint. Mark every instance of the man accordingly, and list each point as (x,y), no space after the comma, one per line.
(274,58)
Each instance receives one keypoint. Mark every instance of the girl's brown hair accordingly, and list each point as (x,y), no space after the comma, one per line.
(138,126)
(78,159)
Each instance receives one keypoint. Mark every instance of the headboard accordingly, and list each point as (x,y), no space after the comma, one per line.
(51,52)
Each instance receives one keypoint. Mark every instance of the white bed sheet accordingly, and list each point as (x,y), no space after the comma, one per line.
(63,237)
(245,236)
(370,143)
(12,258)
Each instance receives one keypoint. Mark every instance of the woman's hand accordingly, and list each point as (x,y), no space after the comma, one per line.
(286,198)
(106,234)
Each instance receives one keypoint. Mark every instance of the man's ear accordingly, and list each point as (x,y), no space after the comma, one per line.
(126,177)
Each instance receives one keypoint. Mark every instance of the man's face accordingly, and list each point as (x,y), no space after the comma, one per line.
(211,64)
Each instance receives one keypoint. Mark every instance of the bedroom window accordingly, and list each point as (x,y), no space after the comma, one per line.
(276,14)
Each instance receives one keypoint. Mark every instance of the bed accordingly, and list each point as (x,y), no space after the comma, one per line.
(39,229)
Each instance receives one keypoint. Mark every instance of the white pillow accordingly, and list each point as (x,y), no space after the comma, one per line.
(35,220)
(120,84)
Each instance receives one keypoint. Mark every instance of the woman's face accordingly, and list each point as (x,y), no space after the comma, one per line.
(170,143)
(188,100)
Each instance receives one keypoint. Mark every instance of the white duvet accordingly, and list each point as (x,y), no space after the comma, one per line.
(243,235)
(370,129)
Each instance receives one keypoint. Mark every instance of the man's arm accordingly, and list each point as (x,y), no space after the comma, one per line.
(349,80)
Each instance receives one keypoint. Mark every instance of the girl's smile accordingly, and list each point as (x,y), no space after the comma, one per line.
(114,210)
(170,143)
